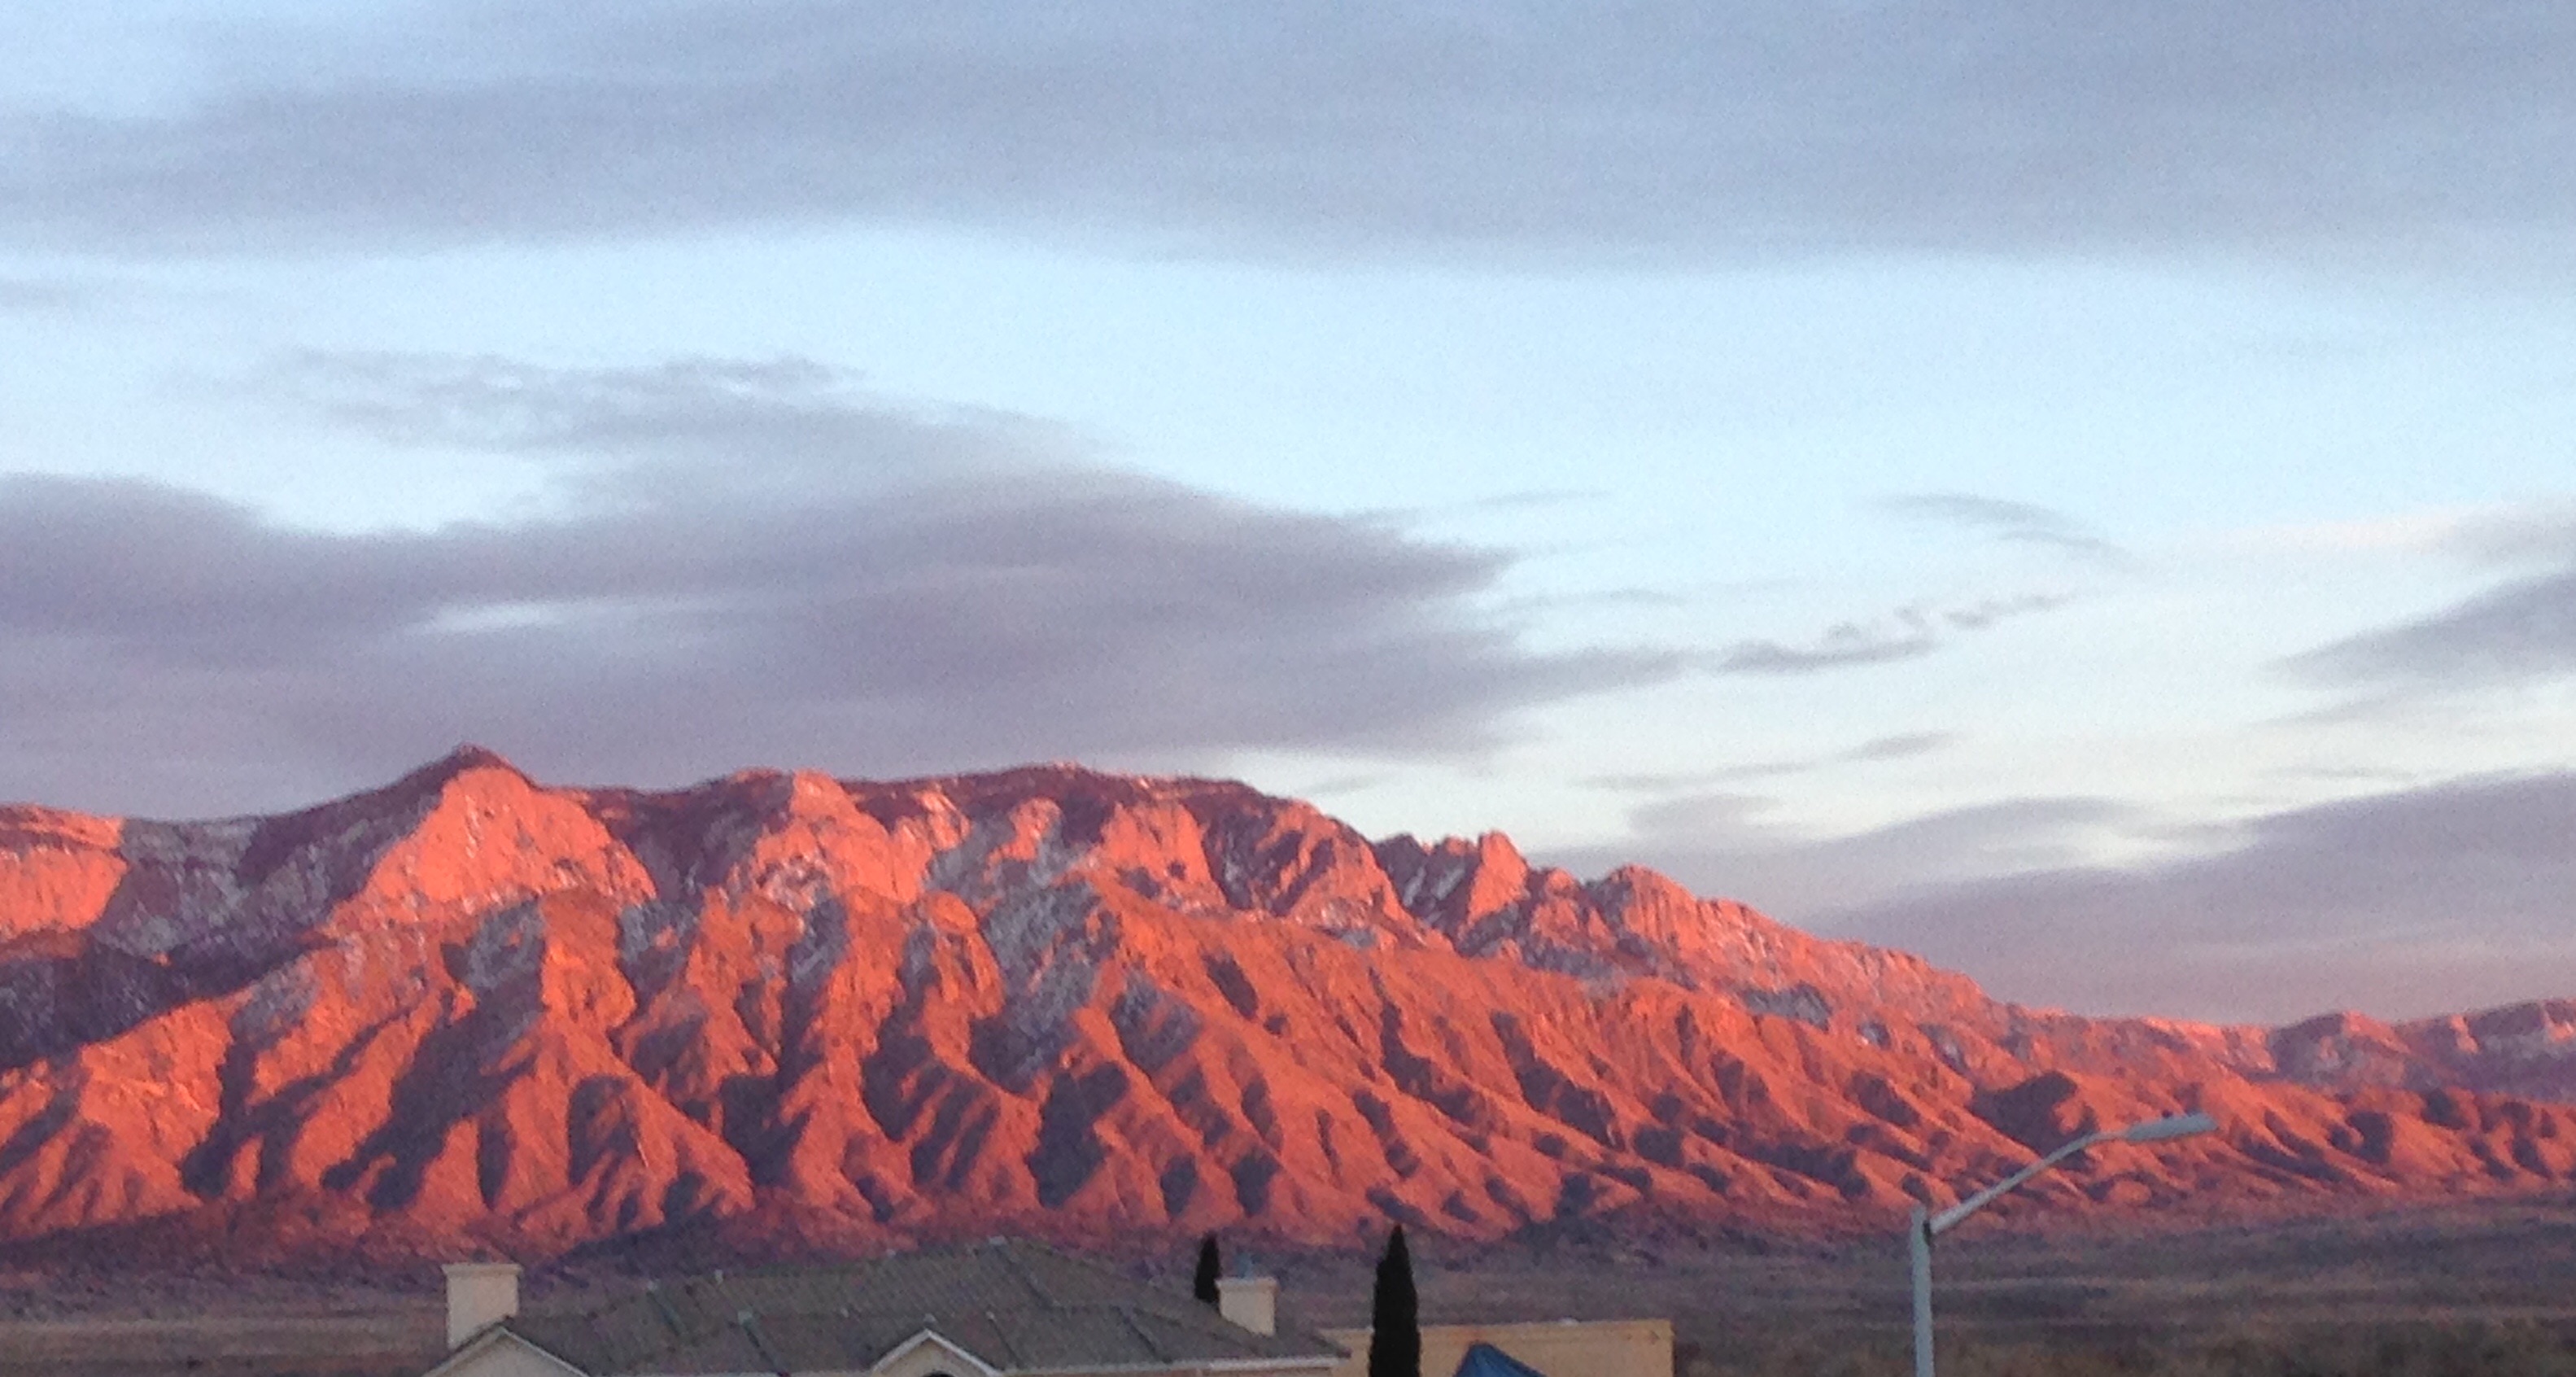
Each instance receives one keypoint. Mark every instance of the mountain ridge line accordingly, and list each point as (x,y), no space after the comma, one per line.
(465,1008)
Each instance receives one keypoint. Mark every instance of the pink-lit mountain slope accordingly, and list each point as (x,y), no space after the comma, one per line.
(467,1007)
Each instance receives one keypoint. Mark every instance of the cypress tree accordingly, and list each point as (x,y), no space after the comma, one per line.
(1203,1285)
(1395,1315)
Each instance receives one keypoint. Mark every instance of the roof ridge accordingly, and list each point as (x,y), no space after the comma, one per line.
(1128,1313)
(1204,1322)
(1017,1356)
(1011,1262)
(661,1305)
(749,1321)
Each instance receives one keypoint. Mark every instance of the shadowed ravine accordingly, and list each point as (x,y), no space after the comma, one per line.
(1099,1008)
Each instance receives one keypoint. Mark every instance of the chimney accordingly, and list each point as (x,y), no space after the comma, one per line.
(479,1296)
(1252,1302)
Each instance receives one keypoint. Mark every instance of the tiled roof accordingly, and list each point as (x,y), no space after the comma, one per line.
(1017,1305)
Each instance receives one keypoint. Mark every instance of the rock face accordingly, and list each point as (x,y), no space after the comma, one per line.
(466,1009)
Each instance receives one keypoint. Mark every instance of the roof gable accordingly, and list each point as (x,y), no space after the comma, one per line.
(929,1344)
(482,1352)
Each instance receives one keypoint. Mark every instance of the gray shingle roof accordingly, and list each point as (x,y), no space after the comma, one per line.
(1017,1305)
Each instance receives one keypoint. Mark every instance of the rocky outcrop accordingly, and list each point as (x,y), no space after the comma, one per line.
(2520,1049)
(467,1007)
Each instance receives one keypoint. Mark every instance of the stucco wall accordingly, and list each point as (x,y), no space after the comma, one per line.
(1562,1348)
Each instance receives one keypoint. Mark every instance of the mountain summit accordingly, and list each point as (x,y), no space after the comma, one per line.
(468,1008)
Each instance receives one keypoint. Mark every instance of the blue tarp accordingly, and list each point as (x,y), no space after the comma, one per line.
(1485,1360)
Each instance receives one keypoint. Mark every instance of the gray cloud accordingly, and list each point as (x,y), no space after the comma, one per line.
(2522,630)
(1727,843)
(1664,129)
(1847,645)
(2014,523)
(759,430)
(2408,903)
(30,296)
(1977,616)
(757,564)
(2533,532)
(1904,746)
(1908,633)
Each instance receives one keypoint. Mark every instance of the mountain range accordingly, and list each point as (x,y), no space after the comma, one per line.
(470,1011)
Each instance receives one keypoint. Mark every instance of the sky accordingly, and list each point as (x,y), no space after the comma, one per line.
(2085,496)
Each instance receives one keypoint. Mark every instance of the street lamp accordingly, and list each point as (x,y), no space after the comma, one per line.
(1926,1227)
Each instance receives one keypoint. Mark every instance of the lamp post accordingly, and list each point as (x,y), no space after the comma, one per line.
(1926,1226)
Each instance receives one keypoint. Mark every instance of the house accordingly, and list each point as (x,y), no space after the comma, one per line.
(1005,1308)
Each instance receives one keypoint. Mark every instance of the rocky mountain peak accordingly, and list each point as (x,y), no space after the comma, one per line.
(791,1007)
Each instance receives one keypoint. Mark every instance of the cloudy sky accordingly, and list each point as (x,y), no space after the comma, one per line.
(2085,495)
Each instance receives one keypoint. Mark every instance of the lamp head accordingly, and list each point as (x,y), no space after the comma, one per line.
(2160,1130)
